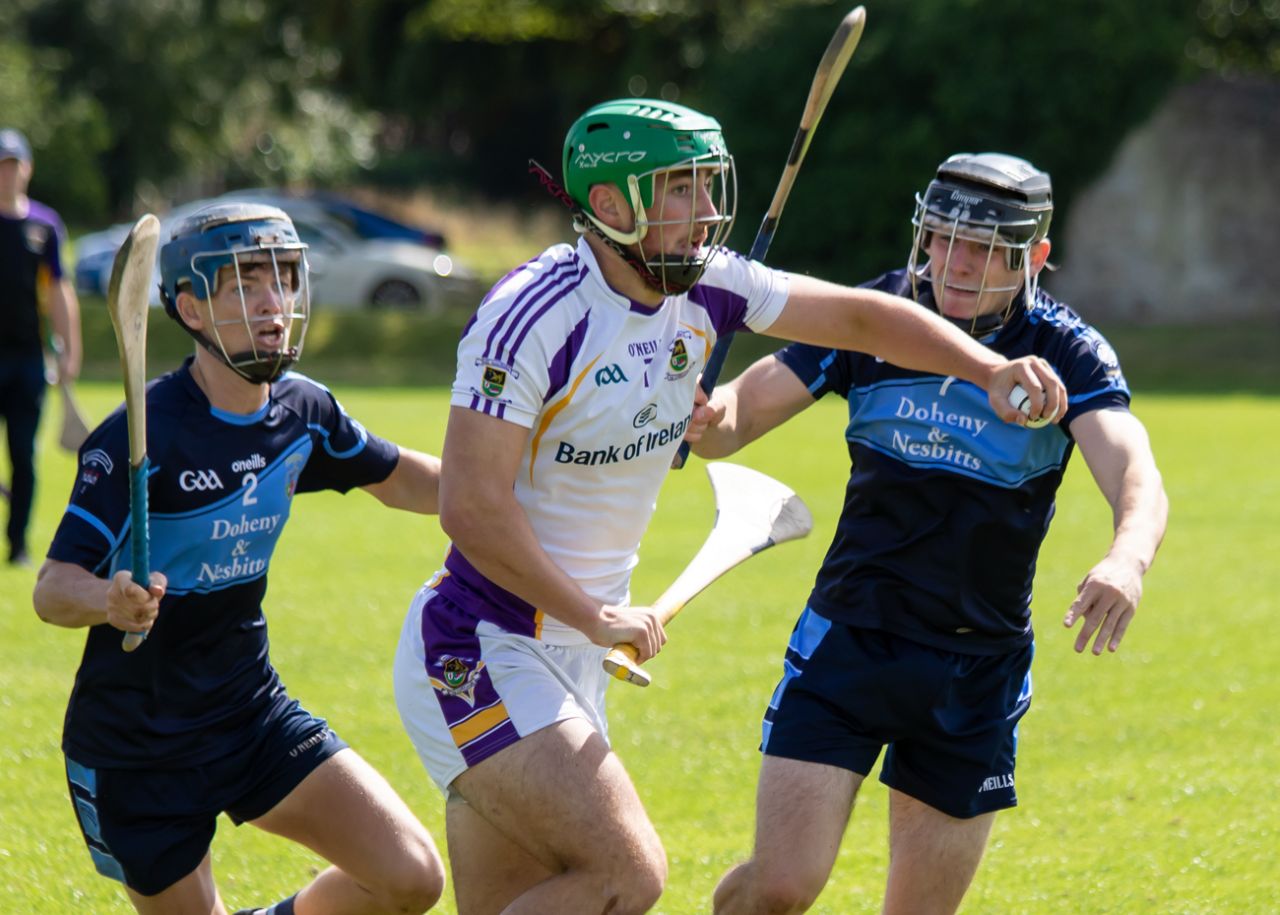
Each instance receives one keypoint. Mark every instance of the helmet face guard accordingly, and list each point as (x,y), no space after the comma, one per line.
(639,146)
(676,273)
(222,243)
(1000,203)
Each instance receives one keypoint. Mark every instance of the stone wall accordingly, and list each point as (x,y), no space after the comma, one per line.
(1184,226)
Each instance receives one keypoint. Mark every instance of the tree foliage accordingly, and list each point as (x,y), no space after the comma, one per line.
(145,101)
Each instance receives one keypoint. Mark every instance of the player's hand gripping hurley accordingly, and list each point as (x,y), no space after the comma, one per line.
(128,302)
(830,69)
(753,513)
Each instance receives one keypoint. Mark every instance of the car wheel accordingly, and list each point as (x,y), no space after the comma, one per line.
(395,294)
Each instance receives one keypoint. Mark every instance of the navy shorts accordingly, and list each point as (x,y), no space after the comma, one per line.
(149,828)
(949,720)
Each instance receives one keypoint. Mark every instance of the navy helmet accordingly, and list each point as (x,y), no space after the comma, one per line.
(996,200)
(219,241)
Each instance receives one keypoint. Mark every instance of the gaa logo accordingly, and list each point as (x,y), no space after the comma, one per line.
(679,357)
(610,374)
(494,381)
(201,480)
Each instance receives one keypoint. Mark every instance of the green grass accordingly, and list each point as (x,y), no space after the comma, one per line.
(1148,779)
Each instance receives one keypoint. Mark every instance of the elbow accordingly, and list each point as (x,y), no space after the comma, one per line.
(41,599)
(463,519)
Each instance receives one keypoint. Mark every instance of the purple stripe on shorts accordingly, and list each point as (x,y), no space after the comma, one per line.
(463,687)
(727,309)
(470,590)
(490,742)
(519,306)
(561,362)
(510,352)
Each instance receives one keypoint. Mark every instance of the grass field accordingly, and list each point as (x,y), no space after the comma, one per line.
(1148,779)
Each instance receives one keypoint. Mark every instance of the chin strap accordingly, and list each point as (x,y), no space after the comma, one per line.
(583,223)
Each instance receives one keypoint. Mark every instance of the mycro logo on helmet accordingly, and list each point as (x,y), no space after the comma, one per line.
(591,160)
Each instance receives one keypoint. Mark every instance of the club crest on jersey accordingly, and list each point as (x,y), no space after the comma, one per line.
(293,465)
(458,680)
(494,380)
(37,237)
(678,364)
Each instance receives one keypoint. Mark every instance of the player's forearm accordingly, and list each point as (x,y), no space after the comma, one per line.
(64,313)
(413,485)
(903,333)
(724,437)
(895,329)
(1140,513)
(67,595)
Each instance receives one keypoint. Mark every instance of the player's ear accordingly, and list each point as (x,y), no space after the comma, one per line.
(190,311)
(1040,255)
(610,207)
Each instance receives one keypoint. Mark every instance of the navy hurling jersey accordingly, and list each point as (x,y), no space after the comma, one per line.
(946,505)
(220,490)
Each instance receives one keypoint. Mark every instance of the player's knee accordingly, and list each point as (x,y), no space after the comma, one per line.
(784,891)
(636,889)
(413,884)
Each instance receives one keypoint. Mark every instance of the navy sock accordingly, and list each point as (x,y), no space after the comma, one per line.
(283,907)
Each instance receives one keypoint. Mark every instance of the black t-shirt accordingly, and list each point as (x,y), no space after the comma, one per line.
(29,256)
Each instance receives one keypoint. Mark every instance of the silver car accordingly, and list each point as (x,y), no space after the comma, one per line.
(347,270)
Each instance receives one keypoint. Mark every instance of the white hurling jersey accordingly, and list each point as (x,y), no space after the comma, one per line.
(605,386)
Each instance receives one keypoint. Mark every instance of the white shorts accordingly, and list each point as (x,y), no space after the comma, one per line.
(467,689)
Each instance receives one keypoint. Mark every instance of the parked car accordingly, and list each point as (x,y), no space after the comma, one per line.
(95,252)
(362,221)
(398,269)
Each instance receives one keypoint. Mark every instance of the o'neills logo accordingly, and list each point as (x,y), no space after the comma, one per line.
(255,462)
(997,783)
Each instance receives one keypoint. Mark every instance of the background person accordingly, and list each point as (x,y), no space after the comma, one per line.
(917,634)
(575,386)
(30,271)
(196,722)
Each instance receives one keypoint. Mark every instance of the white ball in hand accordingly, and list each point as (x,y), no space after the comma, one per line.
(1021,400)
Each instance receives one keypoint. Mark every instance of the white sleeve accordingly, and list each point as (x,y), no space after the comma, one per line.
(739,293)
(502,371)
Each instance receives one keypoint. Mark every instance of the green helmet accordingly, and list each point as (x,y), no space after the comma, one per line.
(626,141)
